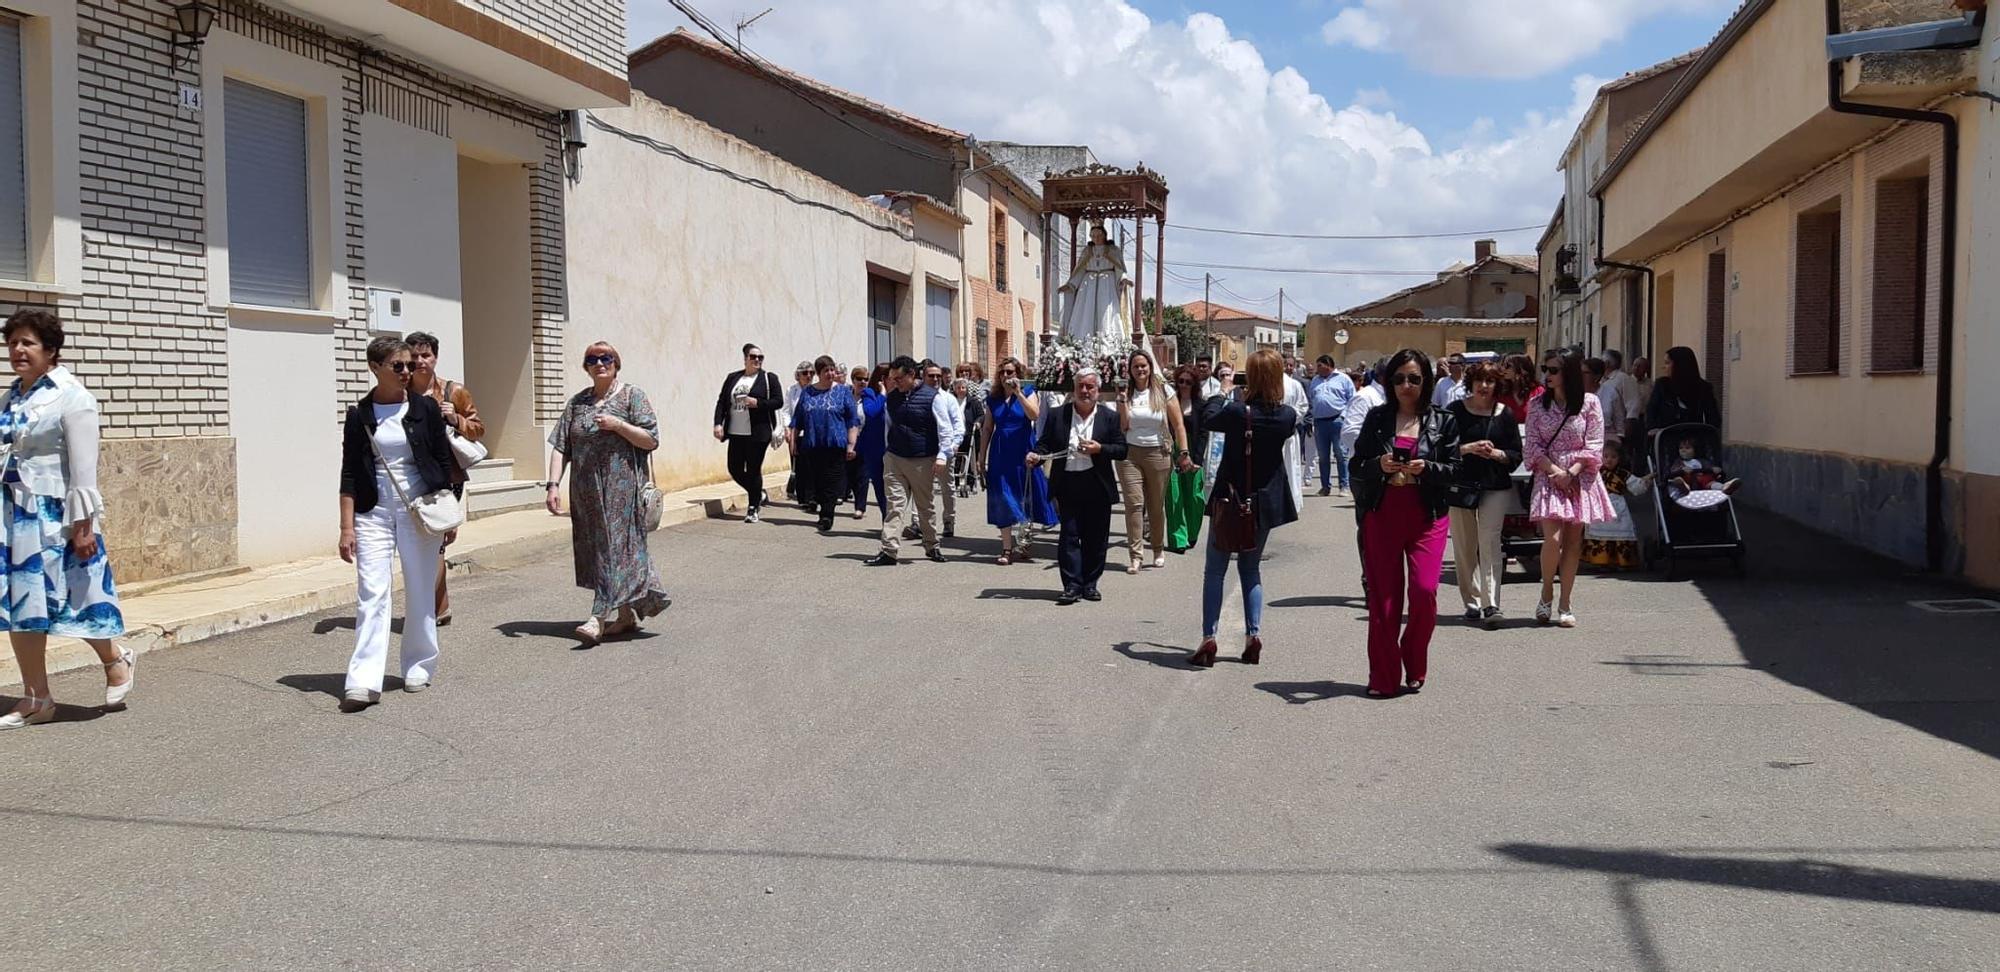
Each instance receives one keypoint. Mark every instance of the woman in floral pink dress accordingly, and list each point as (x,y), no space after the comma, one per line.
(1564,445)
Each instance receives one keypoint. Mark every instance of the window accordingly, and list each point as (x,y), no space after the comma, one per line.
(14,255)
(268,174)
(1902,274)
(1715,321)
(985,343)
(1816,292)
(999,249)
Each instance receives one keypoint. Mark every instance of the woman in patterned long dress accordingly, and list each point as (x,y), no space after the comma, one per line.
(58,578)
(605,436)
(1564,446)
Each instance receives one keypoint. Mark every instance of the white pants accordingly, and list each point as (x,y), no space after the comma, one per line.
(1475,549)
(380,536)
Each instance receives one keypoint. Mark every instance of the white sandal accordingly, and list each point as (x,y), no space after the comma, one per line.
(115,695)
(40,711)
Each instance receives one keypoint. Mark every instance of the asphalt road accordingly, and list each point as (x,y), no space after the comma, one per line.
(810,764)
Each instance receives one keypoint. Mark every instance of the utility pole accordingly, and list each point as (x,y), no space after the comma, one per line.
(1282,335)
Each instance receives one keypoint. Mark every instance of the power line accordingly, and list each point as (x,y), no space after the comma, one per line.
(1247,300)
(1333,273)
(1388,236)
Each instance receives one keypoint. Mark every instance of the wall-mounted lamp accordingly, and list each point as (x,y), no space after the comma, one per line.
(194,18)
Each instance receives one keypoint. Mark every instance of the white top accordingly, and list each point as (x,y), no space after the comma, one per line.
(1295,396)
(1448,391)
(1210,387)
(950,414)
(739,416)
(1619,393)
(1358,408)
(1080,428)
(1146,426)
(394,445)
(55,452)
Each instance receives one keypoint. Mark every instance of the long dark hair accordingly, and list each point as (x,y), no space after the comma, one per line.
(1685,379)
(1518,377)
(1396,363)
(1572,384)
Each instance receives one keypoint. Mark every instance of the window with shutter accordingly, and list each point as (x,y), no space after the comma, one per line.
(270,243)
(13,158)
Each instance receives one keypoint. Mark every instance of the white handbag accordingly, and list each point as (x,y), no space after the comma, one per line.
(467,452)
(435,514)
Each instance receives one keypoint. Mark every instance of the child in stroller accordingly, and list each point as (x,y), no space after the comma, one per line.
(1691,472)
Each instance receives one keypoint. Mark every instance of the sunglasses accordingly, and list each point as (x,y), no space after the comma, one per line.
(400,367)
(753,357)
(1551,370)
(1414,381)
(592,361)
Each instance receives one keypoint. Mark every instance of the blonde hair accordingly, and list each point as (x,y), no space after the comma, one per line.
(1157,391)
(617,357)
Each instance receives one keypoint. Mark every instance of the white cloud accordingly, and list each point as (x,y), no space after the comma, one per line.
(1495,38)
(1242,144)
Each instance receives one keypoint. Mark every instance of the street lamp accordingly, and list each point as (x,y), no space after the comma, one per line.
(194,19)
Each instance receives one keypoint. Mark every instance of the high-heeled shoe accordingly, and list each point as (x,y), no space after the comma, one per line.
(115,695)
(1253,650)
(1413,686)
(40,711)
(1204,657)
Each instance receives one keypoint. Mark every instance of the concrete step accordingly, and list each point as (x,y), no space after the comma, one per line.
(488,499)
(491,471)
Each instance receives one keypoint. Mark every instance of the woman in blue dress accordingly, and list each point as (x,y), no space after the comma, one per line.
(874,440)
(58,579)
(1017,497)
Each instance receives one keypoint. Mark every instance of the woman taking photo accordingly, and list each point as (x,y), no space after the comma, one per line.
(865,469)
(822,436)
(1489,452)
(1255,423)
(393,451)
(746,412)
(1156,443)
(1564,445)
(48,519)
(1404,459)
(606,436)
(1186,505)
(1017,497)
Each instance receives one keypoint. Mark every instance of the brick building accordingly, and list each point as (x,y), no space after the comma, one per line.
(224,218)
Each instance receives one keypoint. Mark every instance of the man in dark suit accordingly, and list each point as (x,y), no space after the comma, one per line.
(1082,484)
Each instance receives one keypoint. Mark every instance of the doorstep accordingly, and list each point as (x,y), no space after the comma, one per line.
(178,611)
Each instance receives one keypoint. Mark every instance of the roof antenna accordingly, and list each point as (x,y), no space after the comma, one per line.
(743,25)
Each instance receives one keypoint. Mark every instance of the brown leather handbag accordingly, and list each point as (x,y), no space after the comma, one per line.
(1232,510)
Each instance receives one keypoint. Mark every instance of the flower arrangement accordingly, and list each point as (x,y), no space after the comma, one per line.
(1062,357)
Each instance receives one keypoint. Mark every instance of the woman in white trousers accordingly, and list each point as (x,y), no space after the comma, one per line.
(1489,452)
(391,433)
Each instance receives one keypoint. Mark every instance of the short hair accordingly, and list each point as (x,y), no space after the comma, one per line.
(1455,358)
(421,339)
(1614,358)
(1595,366)
(1327,359)
(1204,356)
(927,364)
(904,363)
(961,384)
(804,366)
(1266,371)
(747,348)
(1486,371)
(617,357)
(1423,362)
(47,328)
(824,362)
(384,347)
(1089,373)
(857,373)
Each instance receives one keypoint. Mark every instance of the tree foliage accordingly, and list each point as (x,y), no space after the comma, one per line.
(1192,335)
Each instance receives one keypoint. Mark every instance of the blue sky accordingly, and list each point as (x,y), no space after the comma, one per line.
(1302,116)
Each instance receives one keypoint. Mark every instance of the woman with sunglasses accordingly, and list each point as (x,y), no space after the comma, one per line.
(746,410)
(393,446)
(607,436)
(1564,446)
(864,471)
(1186,506)
(1404,461)
(1017,497)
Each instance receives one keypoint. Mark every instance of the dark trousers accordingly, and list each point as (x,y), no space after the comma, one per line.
(822,479)
(746,465)
(1085,513)
(862,473)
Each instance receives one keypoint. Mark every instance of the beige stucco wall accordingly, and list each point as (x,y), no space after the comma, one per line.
(1370,342)
(679,267)
(982,195)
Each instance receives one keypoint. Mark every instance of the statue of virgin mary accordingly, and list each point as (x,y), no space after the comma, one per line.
(1095,291)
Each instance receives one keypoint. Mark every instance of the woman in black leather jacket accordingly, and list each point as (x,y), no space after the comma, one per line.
(1404,462)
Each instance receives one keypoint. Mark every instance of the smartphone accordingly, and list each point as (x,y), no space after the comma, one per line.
(1239,379)
(1402,454)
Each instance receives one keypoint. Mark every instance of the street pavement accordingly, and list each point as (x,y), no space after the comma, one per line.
(811,764)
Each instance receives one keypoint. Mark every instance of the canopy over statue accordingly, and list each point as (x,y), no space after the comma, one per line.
(1093,297)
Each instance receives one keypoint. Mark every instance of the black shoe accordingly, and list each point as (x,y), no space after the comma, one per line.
(1092,595)
(950,531)
(881,560)
(912,533)
(1494,619)
(1068,597)
(934,555)
(1472,615)
(754,516)
(825,525)
(1326,491)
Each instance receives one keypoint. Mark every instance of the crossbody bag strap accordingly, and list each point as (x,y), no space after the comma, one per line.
(388,471)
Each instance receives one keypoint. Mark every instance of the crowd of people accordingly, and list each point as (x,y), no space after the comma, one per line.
(1430,451)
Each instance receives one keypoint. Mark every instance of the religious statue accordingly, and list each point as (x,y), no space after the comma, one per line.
(1096,290)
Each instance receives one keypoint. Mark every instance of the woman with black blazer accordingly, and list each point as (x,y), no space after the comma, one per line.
(1254,421)
(1404,462)
(746,410)
(1489,452)
(391,433)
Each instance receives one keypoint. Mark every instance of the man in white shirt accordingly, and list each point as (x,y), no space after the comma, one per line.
(1296,471)
(934,379)
(1451,386)
(1204,366)
(1619,393)
(1085,439)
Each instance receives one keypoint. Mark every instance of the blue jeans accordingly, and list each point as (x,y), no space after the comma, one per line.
(1326,431)
(1249,569)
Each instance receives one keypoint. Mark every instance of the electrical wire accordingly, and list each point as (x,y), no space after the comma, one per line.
(1387,236)
(1305,270)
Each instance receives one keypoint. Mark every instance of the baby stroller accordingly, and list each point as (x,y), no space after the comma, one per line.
(965,476)
(1698,524)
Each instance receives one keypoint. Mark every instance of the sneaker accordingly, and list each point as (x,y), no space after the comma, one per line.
(1494,619)
(754,516)
(358,699)
(416,684)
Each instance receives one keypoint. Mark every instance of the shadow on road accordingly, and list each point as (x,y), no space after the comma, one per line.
(1823,879)
(1018,594)
(1172,657)
(1300,693)
(64,711)
(1317,600)
(333,683)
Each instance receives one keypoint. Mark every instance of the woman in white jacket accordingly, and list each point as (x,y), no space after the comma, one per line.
(58,580)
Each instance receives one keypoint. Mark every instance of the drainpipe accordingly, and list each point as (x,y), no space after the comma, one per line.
(1601,262)
(1934,523)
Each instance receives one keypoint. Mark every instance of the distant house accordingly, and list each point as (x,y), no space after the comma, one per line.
(1489,304)
(1248,332)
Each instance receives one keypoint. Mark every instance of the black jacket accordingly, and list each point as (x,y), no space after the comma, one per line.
(423,423)
(1437,445)
(1269,426)
(1105,430)
(770,398)
(1667,408)
(1500,429)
